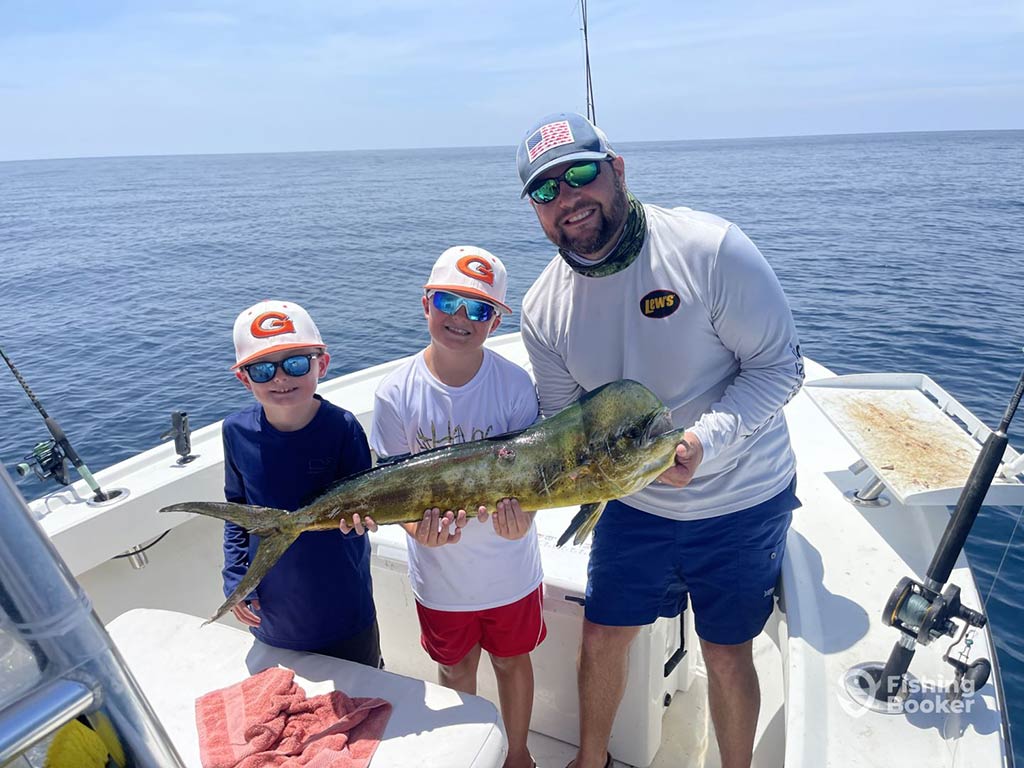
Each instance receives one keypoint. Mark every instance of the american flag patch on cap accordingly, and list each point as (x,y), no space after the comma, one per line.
(548,137)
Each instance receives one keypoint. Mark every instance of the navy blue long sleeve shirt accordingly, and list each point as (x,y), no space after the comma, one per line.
(319,592)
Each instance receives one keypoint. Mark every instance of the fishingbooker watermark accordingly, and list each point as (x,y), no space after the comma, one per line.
(858,688)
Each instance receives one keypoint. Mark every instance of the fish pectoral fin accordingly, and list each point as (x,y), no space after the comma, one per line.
(583,523)
(269,552)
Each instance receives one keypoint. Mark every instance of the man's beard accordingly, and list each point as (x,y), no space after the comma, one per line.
(610,224)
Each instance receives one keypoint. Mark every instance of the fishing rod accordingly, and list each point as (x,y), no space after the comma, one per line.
(923,612)
(591,110)
(48,458)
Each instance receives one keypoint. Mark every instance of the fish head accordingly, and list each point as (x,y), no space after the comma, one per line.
(632,428)
(625,411)
(660,423)
(644,447)
(644,428)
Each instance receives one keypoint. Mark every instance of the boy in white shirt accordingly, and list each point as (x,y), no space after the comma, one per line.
(486,591)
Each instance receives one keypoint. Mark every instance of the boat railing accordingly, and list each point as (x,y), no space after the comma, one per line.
(58,661)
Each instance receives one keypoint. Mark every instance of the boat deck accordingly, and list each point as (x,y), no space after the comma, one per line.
(842,563)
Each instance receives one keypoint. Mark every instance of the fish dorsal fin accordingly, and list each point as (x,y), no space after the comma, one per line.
(390,462)
(583,523)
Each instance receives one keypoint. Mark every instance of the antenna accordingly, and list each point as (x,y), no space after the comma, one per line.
(591,112)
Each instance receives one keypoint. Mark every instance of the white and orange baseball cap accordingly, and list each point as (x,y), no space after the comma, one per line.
(270,326)
(471,272)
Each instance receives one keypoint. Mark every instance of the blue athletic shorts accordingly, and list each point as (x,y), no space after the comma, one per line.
(643,566)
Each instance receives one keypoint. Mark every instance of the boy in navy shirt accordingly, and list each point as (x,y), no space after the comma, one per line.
(282,452)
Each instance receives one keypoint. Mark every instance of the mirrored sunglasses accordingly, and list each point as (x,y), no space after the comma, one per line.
(263,371)
(449,303)
(576,176)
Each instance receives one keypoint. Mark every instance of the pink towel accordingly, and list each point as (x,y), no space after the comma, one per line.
(266,720)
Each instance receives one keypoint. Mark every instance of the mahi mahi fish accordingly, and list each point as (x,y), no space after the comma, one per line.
(612,442)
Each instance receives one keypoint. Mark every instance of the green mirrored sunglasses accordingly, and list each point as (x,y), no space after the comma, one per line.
(576,176)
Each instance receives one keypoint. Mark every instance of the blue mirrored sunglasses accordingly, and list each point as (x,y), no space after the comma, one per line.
(449,303)
(264,370)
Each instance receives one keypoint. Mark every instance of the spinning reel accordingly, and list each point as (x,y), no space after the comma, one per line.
(46,460)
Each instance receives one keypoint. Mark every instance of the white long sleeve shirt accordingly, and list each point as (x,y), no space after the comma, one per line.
(701,320)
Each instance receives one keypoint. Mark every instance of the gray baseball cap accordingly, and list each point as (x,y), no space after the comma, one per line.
(559,138)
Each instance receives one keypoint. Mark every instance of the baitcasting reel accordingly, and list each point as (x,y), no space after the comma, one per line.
(924,615)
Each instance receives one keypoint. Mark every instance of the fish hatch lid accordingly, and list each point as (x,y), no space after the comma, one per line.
(914,436)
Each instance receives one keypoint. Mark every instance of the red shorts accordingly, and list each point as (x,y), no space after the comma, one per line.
(508,630)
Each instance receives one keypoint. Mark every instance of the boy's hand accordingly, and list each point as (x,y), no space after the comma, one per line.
(244,613)
(434,530)
(510,521)
(359,525)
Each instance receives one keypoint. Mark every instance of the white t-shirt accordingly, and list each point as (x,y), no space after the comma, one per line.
(414,412)
(701,320)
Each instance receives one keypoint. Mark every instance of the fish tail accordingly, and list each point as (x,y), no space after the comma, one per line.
(259,520)
(583,523)
(271,547)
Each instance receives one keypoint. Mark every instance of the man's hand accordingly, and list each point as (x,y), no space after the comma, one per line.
(244,613)
(689,454)
(510,521)
(434,530)
(359,525)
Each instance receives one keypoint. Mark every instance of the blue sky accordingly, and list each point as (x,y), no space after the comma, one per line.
(99,77)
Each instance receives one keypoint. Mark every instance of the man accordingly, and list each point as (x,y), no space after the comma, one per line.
(684,303)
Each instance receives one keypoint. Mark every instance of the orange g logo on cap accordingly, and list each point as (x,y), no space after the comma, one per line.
(477,268)
(271,324)
(473,272)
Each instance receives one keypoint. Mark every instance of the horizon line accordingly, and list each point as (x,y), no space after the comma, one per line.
(500,146)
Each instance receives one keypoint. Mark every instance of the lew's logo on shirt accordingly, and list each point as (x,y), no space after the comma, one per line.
(659,303)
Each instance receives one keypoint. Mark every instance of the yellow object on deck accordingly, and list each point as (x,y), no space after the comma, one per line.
(76,746)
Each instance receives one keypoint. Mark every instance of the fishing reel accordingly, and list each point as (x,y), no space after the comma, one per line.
(46,460)
(924,615)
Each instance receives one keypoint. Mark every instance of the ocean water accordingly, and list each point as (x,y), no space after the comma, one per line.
(120,278)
